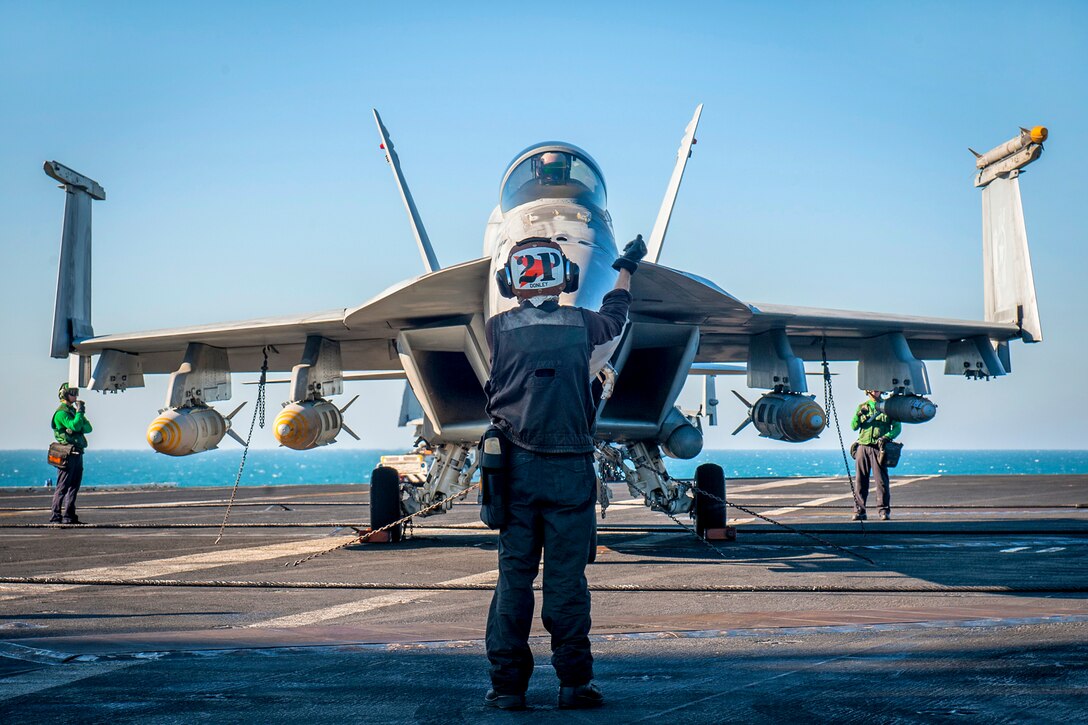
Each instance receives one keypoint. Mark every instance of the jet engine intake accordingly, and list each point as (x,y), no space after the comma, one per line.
(789,417)
(908,408)
(307,424)
(188,430)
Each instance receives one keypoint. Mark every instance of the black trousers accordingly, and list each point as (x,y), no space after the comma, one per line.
(68,480)
(868,464)
(551,509)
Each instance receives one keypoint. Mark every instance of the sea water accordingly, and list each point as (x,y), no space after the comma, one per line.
(279,467)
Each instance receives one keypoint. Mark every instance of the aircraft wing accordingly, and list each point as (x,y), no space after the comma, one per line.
(366,333)
(726,324)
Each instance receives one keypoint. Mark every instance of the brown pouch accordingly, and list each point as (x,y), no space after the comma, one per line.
(58,454)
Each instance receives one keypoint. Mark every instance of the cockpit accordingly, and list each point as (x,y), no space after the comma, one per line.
(553,171)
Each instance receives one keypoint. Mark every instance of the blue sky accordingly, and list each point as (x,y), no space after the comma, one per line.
(243,176)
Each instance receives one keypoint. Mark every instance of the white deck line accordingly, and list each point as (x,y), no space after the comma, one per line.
(819,501)
(303,619)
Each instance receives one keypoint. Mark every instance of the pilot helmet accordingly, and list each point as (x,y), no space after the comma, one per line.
(552,168)
(537,267)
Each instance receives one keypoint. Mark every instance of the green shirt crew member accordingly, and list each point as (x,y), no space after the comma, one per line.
(70,425)
(873,428)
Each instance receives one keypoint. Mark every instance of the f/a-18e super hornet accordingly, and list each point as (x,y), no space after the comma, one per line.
(429,330)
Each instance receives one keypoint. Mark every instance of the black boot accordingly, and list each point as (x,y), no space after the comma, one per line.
(504,702)
(581,697)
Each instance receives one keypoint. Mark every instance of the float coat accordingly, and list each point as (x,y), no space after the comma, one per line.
(539,391)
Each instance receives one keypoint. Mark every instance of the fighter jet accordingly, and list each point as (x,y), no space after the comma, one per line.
(429,330)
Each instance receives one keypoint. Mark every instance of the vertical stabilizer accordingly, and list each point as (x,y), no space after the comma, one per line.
(1009,284)
(72,314)
(426,251)
(664,214)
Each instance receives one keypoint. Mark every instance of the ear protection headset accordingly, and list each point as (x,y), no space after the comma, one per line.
(517,278)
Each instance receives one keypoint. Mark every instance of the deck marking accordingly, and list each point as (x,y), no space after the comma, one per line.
(366,605)
(174,565)
(779,484)
(744,489)
(819,501)
(28,683)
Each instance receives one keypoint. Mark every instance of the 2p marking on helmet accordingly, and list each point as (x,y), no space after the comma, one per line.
(537,267)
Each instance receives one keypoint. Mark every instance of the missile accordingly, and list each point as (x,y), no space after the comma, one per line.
(1014,154)
(184,431)
(307,424)
(908,408)
(789,417)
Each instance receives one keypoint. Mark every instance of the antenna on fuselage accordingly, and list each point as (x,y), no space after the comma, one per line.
(657,236)
(426,251)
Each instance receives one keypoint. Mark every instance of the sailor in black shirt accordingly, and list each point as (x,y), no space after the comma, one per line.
(539,396)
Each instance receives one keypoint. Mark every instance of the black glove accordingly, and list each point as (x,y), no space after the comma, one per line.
(632,254)
(79,406)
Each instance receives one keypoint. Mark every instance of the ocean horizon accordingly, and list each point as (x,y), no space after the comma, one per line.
(281,467)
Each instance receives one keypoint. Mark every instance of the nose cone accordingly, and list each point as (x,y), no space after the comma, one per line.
(164,434)
(291,427)
(808,420)
(811,419)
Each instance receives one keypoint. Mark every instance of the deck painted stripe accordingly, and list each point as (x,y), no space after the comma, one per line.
(175,565)
(730,490)
(367,605)
(819,501)
(28,683)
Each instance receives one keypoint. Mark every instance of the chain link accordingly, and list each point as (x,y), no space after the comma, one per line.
(406,519)
(682,525)
(258,413)
(787,527)
(831,410)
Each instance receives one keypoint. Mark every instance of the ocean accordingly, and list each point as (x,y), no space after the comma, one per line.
(280,467)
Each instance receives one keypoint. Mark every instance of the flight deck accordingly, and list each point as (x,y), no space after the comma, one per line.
(975,607)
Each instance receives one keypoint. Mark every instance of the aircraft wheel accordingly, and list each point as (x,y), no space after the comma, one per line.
(385,500)
(709,513)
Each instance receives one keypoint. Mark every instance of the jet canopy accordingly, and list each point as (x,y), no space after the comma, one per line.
(553,171)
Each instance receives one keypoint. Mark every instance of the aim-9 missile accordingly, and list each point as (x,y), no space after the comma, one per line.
(1013,155)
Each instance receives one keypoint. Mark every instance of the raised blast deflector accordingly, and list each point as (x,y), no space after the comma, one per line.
(72,314)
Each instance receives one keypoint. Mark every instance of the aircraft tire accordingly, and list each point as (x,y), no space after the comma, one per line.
(385,500)
(709,514)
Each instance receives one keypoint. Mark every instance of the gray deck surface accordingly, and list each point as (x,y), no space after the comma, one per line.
(92,653)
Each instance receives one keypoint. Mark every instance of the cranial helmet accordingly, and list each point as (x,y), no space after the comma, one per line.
(536,267)
(552,168)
